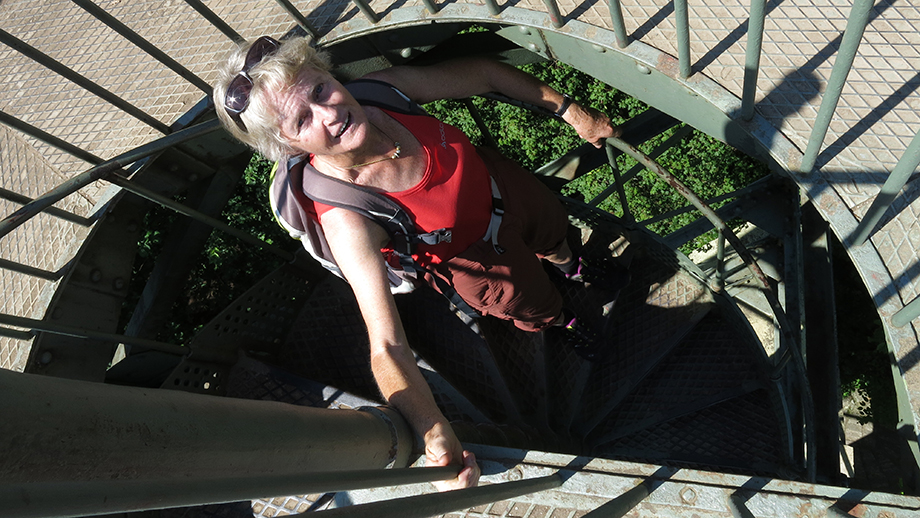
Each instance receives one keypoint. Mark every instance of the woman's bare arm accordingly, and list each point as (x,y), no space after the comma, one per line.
(460,78)
(355,242)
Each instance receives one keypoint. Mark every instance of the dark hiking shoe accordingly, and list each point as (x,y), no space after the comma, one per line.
(603,274)
(582,339)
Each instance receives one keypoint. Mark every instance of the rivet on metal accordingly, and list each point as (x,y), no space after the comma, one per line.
(95,275)
(515,474)
(406,52)
(599,48)
(688,495)
(643,69)
(524,30)
(532,47)
(45,358)
(193,177)
(118,283)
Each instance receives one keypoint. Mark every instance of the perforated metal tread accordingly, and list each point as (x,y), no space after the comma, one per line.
(711,364)
(658,308)
(328,341)
(740,435)
(457,353)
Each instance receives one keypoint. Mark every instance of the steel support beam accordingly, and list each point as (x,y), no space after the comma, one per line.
(78,448)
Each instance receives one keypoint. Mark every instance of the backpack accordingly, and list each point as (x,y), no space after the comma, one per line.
(295,185)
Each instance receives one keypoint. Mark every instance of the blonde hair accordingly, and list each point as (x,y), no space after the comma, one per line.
(275,73)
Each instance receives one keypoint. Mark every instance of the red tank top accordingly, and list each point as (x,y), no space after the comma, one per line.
(455,192)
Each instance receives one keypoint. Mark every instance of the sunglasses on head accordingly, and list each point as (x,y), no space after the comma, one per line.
(237,99)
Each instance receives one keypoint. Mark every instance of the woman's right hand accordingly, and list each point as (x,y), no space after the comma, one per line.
(442,448)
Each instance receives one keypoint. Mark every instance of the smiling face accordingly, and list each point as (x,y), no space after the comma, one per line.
(317,115)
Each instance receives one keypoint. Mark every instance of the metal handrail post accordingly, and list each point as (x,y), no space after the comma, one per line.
(165,201)
(623,504)
(15,197)
(856,25)
(47,138)
(720,262)
(423,506)
(752,57)
(118,449)
(678,135)
(32,271)
(78,332)
(682,23)
(81,80)
(555,17)
(103,170)
(151,49)
(494,9)
(432,6)
(367,11)
(893,185)
(618,182)
(906,314)
(301,20)
(480,123)
(16,334)
(215,20)
(619,25)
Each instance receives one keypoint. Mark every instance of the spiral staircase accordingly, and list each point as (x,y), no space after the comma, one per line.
(712,394)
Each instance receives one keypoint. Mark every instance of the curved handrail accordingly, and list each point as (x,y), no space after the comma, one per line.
(101,171)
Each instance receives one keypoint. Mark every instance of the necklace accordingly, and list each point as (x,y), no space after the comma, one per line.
(397,151)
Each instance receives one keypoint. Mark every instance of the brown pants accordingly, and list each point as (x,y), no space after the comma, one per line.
(513,285)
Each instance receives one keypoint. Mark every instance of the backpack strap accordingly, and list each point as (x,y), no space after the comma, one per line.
(371,92)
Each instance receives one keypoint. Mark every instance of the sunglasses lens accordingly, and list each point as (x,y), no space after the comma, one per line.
(237,98)
(262,47)
(238,94)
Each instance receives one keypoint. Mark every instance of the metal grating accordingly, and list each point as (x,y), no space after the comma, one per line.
(328,341)
(521,359)
(650,320)
(261,317)
(456,352)
(712,361)
(741,435)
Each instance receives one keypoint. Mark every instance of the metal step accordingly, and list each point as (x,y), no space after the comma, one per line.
(328,341)
(712,364)
(742,435)
(592,485)
(658,308)
(453,404)
(457,352)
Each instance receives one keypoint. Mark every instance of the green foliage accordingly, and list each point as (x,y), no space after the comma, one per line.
(864,358)
(227,266)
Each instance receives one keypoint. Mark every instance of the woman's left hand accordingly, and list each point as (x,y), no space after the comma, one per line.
(591,124)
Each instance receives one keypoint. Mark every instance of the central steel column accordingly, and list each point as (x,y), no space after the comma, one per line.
(72,448)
